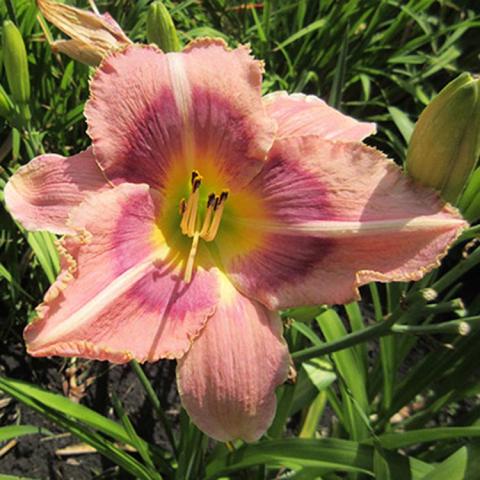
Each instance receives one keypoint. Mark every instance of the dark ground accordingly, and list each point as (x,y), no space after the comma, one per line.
(37,457)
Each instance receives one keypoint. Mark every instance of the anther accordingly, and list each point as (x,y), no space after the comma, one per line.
(212,198)
(196,183)
(185,215)
(182,207)
(195,174)
(217,216)
(224,196)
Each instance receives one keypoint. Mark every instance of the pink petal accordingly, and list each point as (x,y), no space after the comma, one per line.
(340,215)
(41,194)
(227,380)
(121,293)
(173,110)
(300,115)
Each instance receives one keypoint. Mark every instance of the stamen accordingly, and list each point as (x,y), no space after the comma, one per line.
(188,209)
(191,258)
(192,220)
(186,216)
(224,195)
(189,219)
(212,199)
(217,216)
(195,174)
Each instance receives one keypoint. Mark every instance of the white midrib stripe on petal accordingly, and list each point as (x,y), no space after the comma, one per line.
(326,228)
(180,84)
(99,302)
(183,100)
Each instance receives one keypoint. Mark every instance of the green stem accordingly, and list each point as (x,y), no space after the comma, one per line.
(445,307)
(375,331)
(460,327)
(413,305)
(155,402)
(456,272)
(468,234)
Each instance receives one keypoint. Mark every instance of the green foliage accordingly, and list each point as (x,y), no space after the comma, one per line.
(377,380)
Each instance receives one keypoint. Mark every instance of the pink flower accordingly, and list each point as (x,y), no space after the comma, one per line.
(202,208)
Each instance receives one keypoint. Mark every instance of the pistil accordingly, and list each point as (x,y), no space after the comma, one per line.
(191,258)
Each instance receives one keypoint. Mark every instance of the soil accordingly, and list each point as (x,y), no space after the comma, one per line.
(39,457)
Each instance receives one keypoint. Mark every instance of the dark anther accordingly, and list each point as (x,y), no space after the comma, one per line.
(195,174)
(223,196)
(211,200)
(196,183)
(182,207)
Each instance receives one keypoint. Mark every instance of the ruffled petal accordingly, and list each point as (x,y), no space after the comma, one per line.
(300,115)
(93,35)
(338,215)
(173,114)
(121,293)
(227,380)
(42,193)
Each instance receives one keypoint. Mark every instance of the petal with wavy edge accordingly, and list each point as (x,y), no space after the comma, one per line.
(299,115)
(339,215)
(121,293)
(227,380)
(42,193)
(173,110)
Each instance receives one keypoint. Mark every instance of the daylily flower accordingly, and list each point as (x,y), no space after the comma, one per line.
(200,210)
(93,35)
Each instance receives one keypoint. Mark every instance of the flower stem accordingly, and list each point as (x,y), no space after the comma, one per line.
(457,271)
(375,331)
(459,327)
(415,302)
(155,402)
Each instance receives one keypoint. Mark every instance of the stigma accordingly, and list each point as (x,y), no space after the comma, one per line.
(195,227)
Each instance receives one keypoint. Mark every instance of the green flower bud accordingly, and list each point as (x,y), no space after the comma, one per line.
(7,109)
(16,64)
(160,28)
(445,142)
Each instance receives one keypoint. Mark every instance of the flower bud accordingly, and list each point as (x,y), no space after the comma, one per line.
(445,142)
(160,28)
(16,63)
